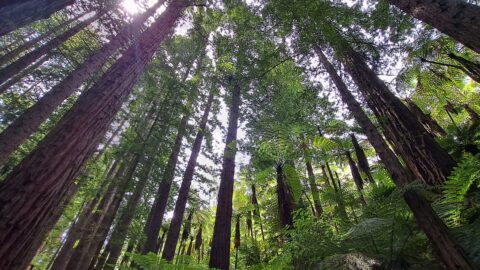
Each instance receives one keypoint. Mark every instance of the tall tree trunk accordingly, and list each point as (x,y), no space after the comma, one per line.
(69,144)
(29,58)
(155,216)
(256,210)
(455,18)
(13,54)
(27,123)
(40,240)
(119,234)
(179,211)
(78,227)
(90,256)
(19,76)
(427,121)
(236,242)
(114,191)
(471,68)
(356,176)
(220,252)
(313,188)
(286,202)
(17,14)
(423,155)
(362,159)
(449,252)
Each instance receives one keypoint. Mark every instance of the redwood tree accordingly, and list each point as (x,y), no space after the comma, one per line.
(220,252)
(33,190)
(448,251)
(179,211)
(456,18)
(28,122)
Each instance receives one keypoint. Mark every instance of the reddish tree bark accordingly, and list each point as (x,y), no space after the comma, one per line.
(155,216)
(16,14)
(449,252)
(220,252)
(179,211)
(27,123)
(455,18)
(427,121)
(423,155)
(33,191)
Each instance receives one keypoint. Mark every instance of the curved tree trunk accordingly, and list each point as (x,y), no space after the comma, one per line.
(455,18)
(27,123)
(179,211)
(29,58)
(220,252)
(16,14)
(448,251)
(69,144)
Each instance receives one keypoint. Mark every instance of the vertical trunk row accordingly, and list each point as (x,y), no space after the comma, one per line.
(456,18)
(425,158)
(443,243)
(155,216)
(112,251)
(78,227)
(33,190)
(27,123)
(220,252)
(16,15)
(179,211)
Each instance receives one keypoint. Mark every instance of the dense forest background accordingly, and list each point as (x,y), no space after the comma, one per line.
(239,134)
